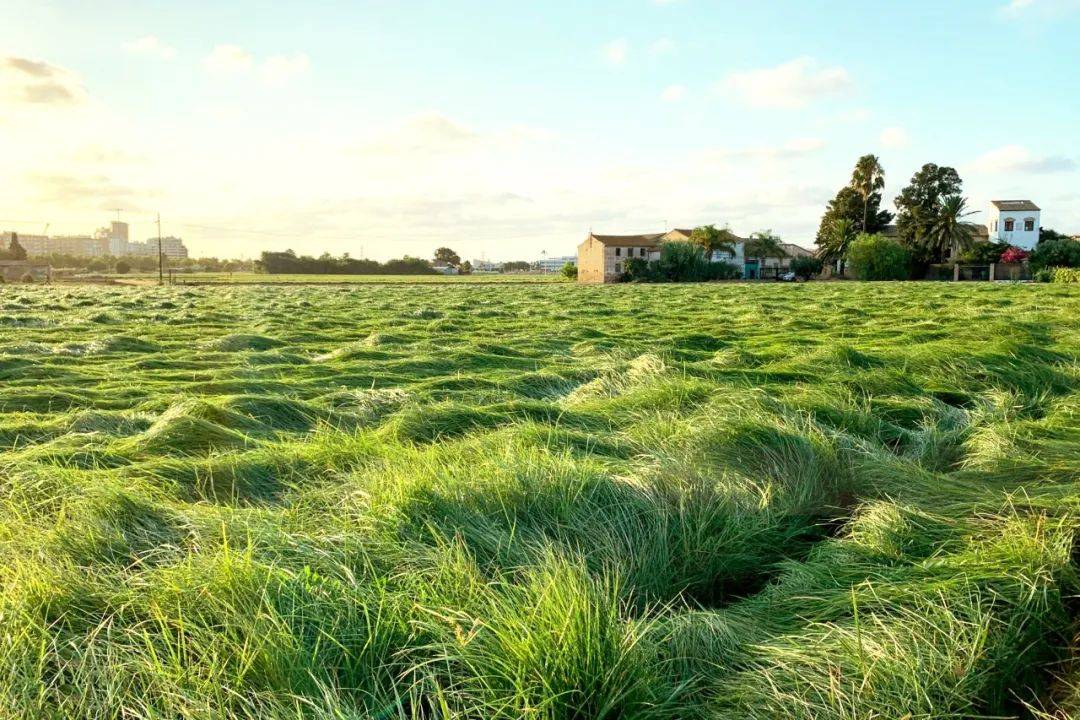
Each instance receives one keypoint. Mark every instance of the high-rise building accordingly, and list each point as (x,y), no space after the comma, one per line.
(113,240)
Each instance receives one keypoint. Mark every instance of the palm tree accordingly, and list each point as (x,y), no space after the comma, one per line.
(949,233)
(867,178)
(763,244)
(711,239)
(839,237)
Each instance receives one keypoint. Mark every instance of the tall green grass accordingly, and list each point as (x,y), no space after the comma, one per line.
(546,501)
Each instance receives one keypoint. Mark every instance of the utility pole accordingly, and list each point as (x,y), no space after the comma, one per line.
(160,256)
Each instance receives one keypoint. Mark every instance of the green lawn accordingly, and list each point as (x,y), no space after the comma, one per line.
(824,500)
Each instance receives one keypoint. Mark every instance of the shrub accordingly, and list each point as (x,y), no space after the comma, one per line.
(569,271)
(1065,275)
(28,278)
(640,270)
(875,257)
(679,262)
(1014,255)
(806,267)
(983,253)
(123,267)
(1056,253)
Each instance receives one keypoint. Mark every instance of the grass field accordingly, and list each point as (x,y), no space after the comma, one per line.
(285,279)
(716,501)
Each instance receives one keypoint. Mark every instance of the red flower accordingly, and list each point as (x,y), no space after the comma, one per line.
(1014,255)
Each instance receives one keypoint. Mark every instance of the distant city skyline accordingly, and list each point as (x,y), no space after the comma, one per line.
(506,129)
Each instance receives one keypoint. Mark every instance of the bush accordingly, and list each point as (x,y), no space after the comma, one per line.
(983,253)
(679,262)
(123,267)
(1063,253)
(569,271)
(1065,275)
(875,257)
(28,278)
(807,267)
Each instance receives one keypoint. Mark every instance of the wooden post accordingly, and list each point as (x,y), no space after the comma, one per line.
(993,267)
(956,272)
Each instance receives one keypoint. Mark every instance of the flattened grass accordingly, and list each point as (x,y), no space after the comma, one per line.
(542,501)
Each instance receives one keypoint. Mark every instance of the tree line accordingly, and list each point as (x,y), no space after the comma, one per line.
(931,227)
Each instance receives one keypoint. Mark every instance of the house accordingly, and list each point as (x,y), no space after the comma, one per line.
(444,268)
(555,264)
(772,267)
(1015,222)
(12,271)
(602,258)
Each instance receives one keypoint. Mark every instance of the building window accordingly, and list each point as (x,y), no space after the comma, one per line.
(1029,225)
(995,226)
(1009,225)
(618,267)
(642,253)
(618,252)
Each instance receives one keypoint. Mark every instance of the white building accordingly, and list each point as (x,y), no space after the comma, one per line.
(555,264)
(1015,222)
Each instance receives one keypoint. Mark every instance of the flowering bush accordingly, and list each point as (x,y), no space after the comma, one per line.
(1014,255)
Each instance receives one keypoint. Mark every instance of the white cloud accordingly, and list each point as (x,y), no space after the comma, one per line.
(228,60)
(274,71)
(673,93)
(280,69)
(1018,159)
(662,46)
(789,85)
(1038,8)
(150,46)
(895,137)
(616,51)
(792,149)
(34,82)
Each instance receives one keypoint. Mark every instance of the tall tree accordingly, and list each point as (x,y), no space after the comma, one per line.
(920,204)
(448,256)
(837,241)
(868,178)
(848,204)
(949,233)
(712,238)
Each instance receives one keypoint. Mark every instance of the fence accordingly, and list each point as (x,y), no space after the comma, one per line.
(983,273)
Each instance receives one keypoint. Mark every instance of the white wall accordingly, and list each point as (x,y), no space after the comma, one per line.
(1019,237)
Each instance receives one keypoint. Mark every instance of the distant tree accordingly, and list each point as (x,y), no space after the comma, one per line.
(948,233)
(848,205)
(1051,234)
(875,257)
(807,267)
(465,268)
(919,205)
(712,239)
(123,267)
(569,271)
(516,266)
(447,256)
(1063,252)
(834,246)
(867,179)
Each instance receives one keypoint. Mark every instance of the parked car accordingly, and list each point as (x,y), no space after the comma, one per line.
(788,277)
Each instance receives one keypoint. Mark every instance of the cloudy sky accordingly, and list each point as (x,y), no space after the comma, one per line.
(503,129)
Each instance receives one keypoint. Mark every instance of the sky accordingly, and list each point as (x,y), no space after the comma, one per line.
(505,130)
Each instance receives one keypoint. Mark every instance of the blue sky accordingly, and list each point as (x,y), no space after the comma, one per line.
(508,128)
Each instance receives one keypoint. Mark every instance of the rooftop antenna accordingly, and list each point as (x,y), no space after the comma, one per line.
(118,211)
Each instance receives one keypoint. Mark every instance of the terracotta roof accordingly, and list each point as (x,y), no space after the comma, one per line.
(1015,205)
(648,240)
